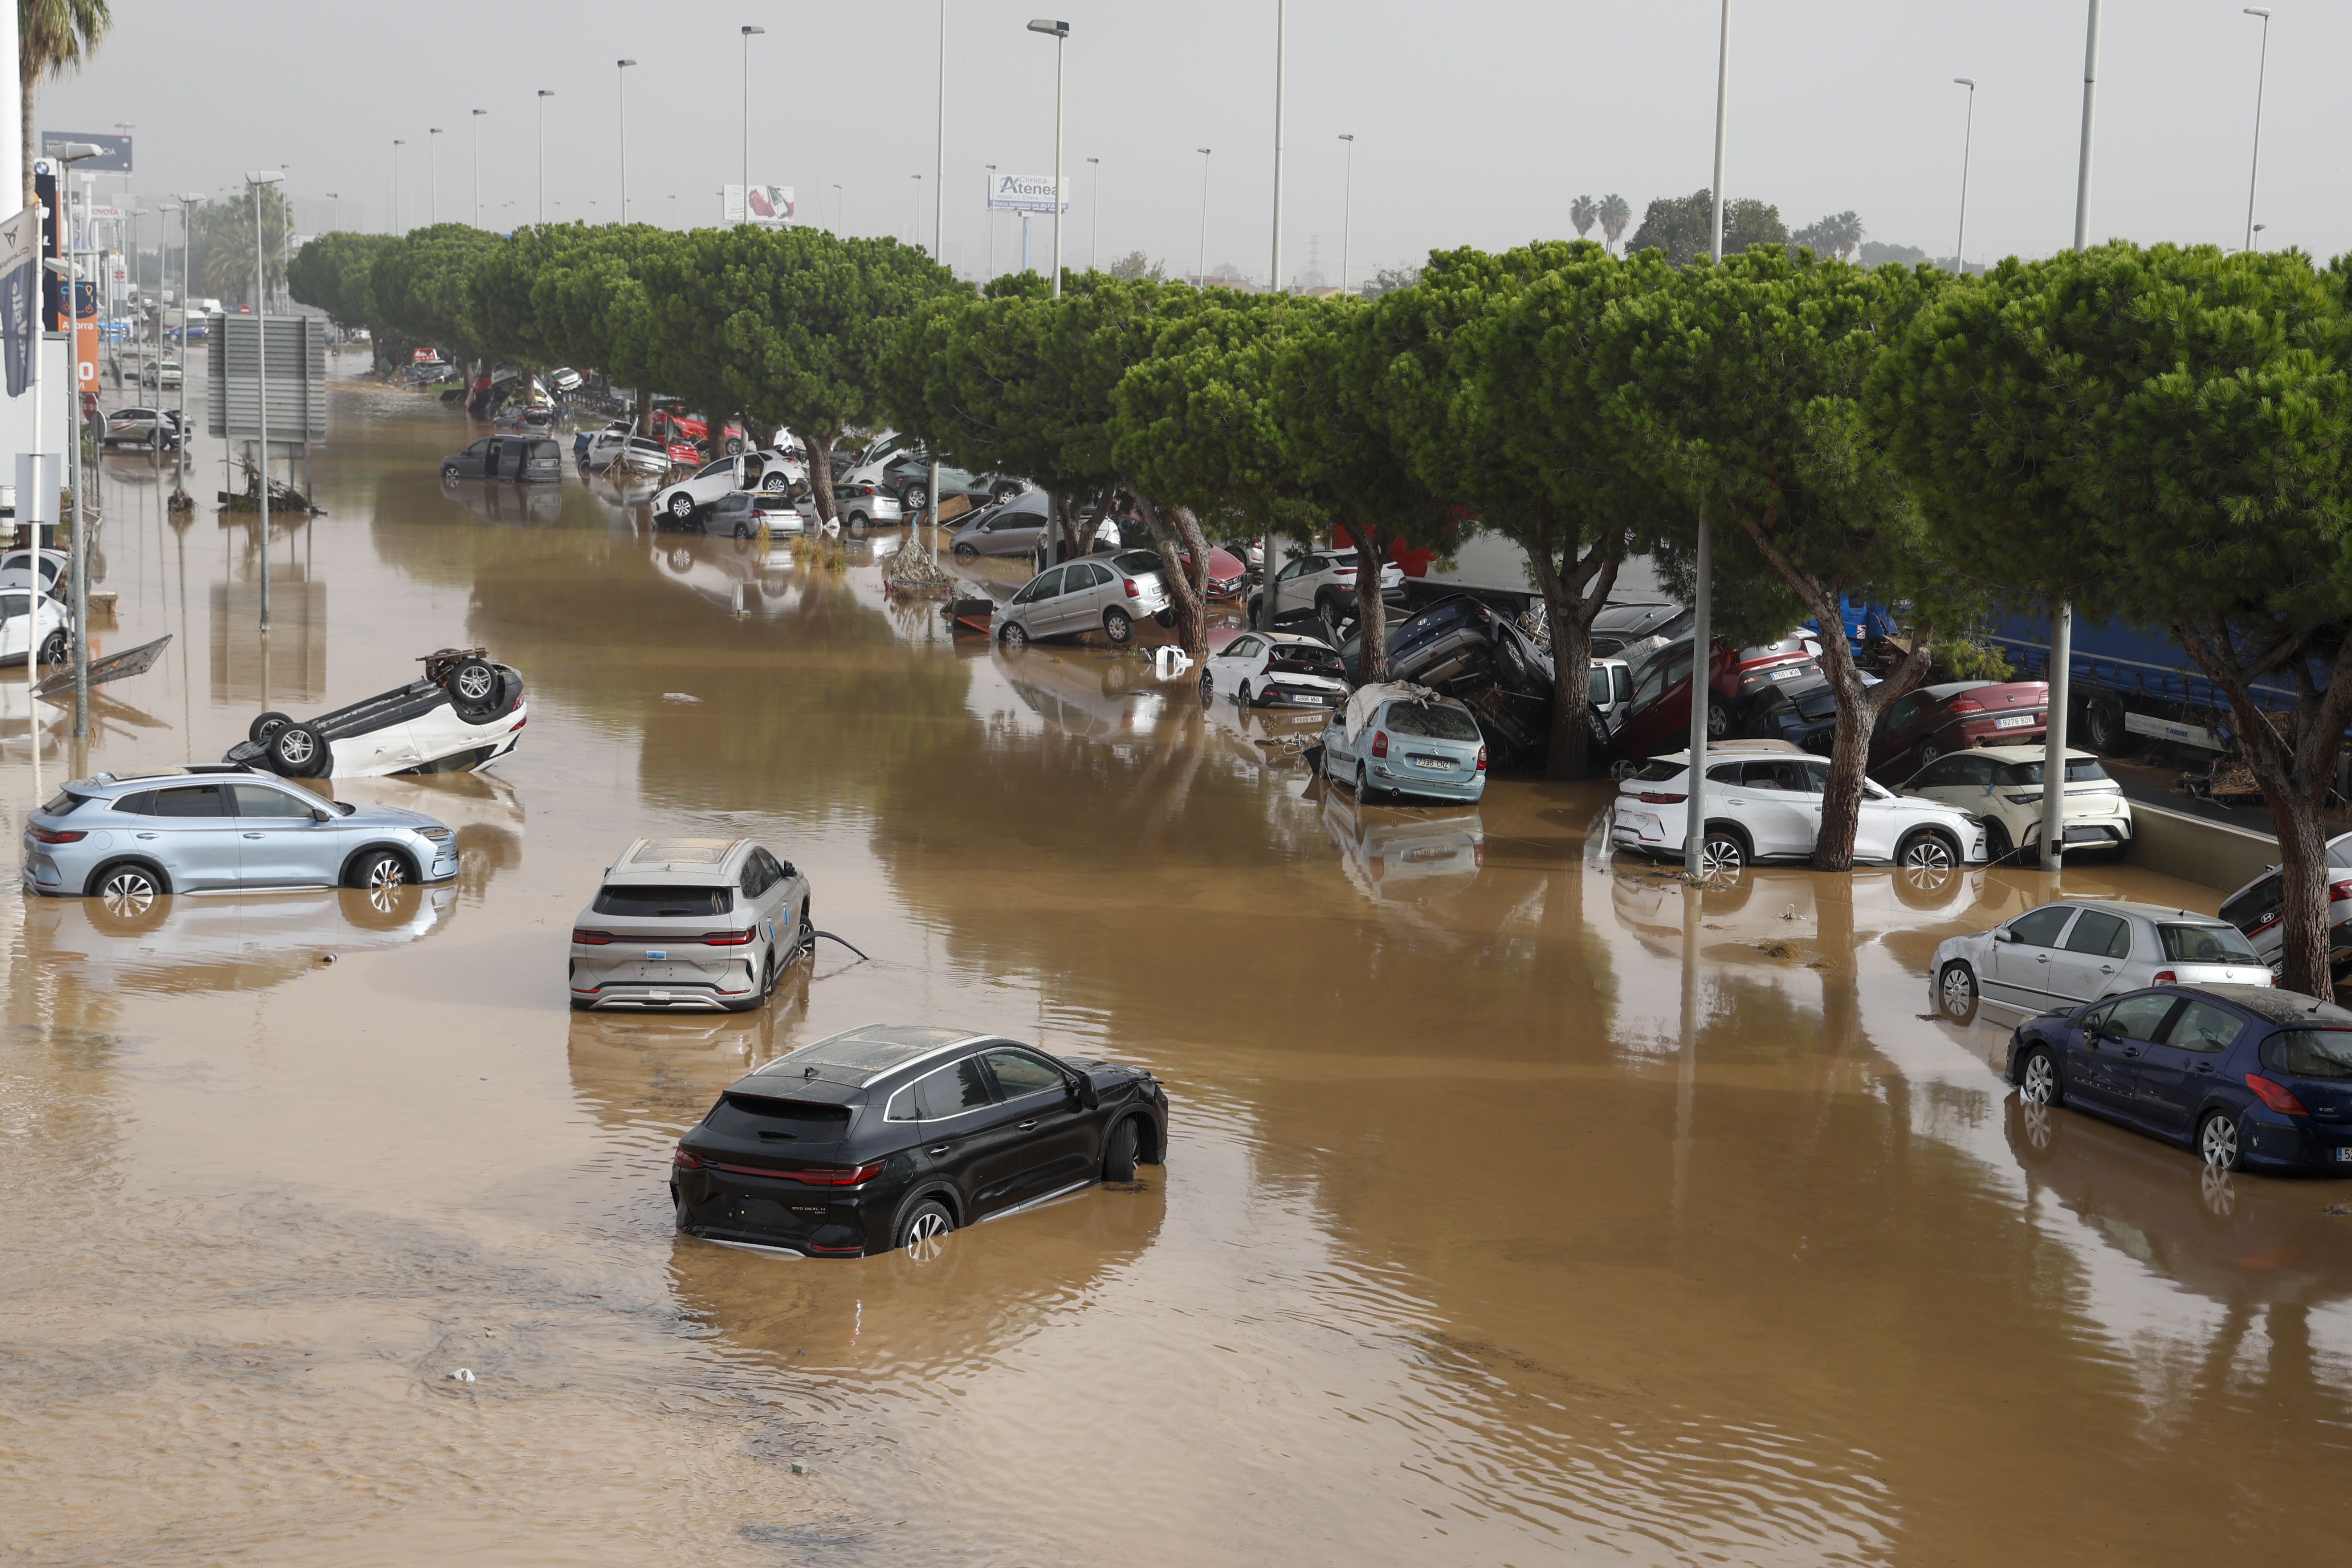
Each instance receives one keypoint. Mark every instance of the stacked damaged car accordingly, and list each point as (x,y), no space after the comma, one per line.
(1466,648)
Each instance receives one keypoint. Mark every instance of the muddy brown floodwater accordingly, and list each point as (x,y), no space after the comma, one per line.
(1521,1209)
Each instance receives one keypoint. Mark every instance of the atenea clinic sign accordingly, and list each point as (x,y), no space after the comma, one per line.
(1024,194)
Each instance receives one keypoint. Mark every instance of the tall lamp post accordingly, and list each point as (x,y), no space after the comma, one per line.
(478,166)
(1968,143)
(544,96)
(433,178)
(749,33)
(989,216)
(66,157)
(938,231)
(1201,268)
(621,76)
(918,236)
(1093,221)
(1060,33)
(1274,276)
(396,145)
(1694,862)
(1347,208)
(188,200)
(254,181)
(2262,74)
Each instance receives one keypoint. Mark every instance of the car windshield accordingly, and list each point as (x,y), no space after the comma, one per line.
(655,902)
(1433,720)
(2079,770)
(2310,1053)
(1135,562)
(2205,944)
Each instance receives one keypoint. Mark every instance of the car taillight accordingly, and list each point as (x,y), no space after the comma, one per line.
(1482,759)
(517,723)
(591,938)
(1478,853)
(2277,1096)
(1379,742)
(1132,591)
(835,1175)
(52,835)
(1967,705)
(725,938)
(2340,890)
(1659,797)
(2164,977)
(684,1160)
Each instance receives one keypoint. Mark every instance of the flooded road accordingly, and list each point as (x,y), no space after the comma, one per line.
(1521,1206)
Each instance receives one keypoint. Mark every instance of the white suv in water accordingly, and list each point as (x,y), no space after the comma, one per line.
(1764,803)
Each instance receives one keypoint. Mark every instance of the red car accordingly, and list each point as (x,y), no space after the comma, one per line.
(1658,719)
(1923,725)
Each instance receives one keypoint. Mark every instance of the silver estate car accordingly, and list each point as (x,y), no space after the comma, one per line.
(1111,592)
(689,925)
(132,837)
(2074,952)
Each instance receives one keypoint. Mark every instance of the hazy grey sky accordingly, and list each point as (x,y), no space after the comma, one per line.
(1476,122)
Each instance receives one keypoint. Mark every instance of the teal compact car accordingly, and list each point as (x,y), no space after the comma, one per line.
(1426,745)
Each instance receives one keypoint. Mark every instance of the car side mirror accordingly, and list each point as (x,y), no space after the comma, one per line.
(1083,1087)
(2004,935)
(321,814)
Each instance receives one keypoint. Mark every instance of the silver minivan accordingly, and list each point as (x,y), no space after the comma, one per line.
(1111,592)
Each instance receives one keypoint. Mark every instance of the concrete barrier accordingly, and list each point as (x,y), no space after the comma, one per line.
(2211,854)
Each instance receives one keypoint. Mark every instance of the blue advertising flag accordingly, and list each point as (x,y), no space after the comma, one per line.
(20,299)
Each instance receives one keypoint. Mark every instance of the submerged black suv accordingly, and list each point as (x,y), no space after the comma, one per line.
(891,1135)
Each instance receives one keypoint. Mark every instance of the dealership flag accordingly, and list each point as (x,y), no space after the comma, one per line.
(20,298)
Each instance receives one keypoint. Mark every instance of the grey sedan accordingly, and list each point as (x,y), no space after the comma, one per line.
(1109,592)
(140,835)
(1016,528)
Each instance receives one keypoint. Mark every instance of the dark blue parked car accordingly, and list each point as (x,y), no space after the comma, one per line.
(2245,1075)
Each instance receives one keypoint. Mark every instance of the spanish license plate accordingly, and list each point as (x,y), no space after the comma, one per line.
(2344,1156)
(657,952)
(1432,763)
(2014,721)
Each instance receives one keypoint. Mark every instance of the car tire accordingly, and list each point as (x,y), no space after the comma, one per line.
(775,484)
(1365,793)
(299,751)
(734,445)
(1122,1150)
(376,870)
(1164,619)
(914,497)
(1208,689)
(268,724)
(1014,636)
(2038,1081)
(743,529)
(1118,626)
(2104,730)
(1243,696)
(963,551)
(1997,844)
(473,690)
(124,895)
(805,935)
(55,648)
(1928,752)
(1926,850)
(2221,1141)
(855,524)
(448,471)
(1003,493)
(1719,722)
(923,1230)
(681,507)
(1725,851)
(1956,992)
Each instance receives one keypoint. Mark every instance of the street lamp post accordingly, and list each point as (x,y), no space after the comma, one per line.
(938,231)
(254,181)
(433,183)
(2262,74)
(396,145)
(1347,208)
(67,156)
(989,216)
(918,236)
(1093,221)
(544,96)
(188,201)
(1200,268)
(1060,33)
(1281,37)
(749,33)
(621,76)
(1703,587)
(1968,143)
(478,166)
(335,223)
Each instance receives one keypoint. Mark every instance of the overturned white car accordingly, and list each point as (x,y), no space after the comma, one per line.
(466,713)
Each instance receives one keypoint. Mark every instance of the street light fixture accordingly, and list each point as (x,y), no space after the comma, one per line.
(1968,141)
(69,155)
(544,96)
(1060,33)
(254,181)
(749,33)
(433,162)
(1201,270)
(621,76)
(1274,274)
(1347,207)
(2262,73)
(478,166)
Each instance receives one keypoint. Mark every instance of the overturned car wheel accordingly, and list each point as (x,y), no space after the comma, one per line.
(268,724)
(299,751)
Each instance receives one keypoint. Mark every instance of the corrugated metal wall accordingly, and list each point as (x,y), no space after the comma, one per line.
(297,378)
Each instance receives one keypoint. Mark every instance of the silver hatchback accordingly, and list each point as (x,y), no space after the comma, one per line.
(689,925)
(2070,952)
(1106,593)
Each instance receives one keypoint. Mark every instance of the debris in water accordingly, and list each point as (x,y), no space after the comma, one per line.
(799,1469)
(463,1374)
(679,697)
(1776,949)
(1169,661)
(326,958)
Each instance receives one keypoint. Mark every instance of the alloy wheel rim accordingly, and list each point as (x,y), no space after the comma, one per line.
(927,1236)
(2220,1143)
(1959,991)
(294,748)
(474,685)
(1720,855)
(386,873)
(1928,855)
(128,893)
(2039,1080)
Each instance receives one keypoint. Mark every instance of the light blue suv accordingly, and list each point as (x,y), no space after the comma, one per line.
(1413,743)
(175,830)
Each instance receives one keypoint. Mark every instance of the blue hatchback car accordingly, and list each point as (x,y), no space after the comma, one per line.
(133,838)
(2245,1075)
(1407,745)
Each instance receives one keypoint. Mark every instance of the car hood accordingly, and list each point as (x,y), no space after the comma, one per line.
(1103,1074)
(390,816)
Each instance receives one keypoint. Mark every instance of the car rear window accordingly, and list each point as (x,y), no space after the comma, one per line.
(2079,770)
(1431,720)
(1659,772)
(2205,944)
(777,1120)
(63,804)
(647,902)
(1135,562)
(2310,1053)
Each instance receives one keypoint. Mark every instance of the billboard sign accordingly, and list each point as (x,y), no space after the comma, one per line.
(86,336)
(115,151)
(770,206)
(1025,194)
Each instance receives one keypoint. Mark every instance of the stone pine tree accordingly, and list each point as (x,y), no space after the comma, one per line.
(1738,387)
(2163,435)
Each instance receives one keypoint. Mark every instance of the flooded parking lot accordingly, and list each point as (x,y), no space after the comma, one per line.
(1522,1205)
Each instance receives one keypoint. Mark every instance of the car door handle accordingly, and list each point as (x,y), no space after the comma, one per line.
(2106,969)
(1025,1126)
(937,1149)
(2131,1050)
(252,835)
(142,835)
(2205,1068)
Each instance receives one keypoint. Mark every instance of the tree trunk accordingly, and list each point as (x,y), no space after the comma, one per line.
(820,471)
(1371,611)
(1858,707)
(1568,754)
(1187,591)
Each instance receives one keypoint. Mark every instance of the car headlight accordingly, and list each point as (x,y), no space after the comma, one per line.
(438,834)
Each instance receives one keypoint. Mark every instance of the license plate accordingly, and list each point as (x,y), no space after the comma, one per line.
(2344,1156)
(657,952)
(2014,721)
(1432,763)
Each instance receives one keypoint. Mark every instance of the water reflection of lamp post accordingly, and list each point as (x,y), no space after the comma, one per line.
(67,156)
(254,181)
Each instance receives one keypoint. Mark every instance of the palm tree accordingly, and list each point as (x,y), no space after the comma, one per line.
(1614,215)
(53,37)
(1581,212)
